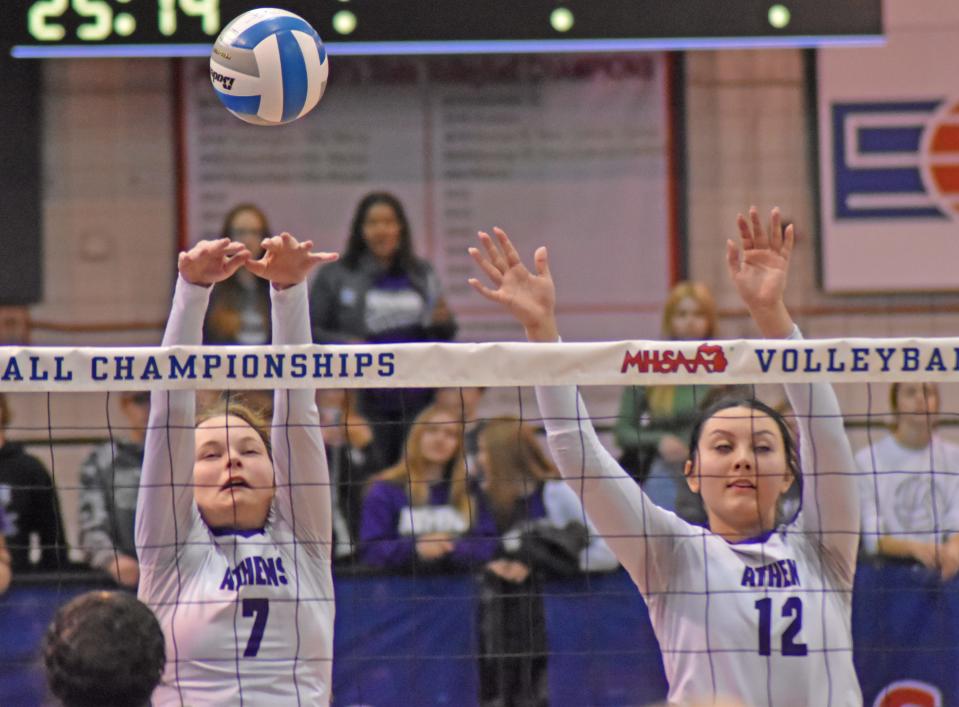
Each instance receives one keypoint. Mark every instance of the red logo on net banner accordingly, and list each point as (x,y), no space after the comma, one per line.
(708,357)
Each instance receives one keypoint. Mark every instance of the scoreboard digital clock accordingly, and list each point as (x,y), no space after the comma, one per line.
(64,28)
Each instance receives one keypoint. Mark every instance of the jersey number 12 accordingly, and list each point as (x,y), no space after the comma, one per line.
(792,607)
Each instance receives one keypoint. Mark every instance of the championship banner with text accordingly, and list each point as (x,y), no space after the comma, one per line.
(889,156)
(505,364)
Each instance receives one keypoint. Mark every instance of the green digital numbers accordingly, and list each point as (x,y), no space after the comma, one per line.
(207,10)
(99,22)
(100,16)
(39,20)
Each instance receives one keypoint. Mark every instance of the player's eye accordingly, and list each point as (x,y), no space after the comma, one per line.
(762,448)
(723,447)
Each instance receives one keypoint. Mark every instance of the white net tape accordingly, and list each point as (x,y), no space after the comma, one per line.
(24,369)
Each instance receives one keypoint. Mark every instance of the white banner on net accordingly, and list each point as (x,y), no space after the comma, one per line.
(491,364)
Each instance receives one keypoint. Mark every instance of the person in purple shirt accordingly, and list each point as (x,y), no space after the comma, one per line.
(420,511)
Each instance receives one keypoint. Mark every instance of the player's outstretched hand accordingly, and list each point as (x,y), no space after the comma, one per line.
(209,262)
(758,266)
(286,261)
(530,297)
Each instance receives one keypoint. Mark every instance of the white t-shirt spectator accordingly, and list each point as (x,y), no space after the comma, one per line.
(907,493)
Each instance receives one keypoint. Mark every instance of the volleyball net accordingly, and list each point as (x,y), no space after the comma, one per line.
(488,581)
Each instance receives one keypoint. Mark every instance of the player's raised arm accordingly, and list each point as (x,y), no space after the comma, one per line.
(759,266)
(165,501)
(301,472)
(639,533)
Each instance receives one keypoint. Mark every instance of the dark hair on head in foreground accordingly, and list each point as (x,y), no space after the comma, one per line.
(104,649)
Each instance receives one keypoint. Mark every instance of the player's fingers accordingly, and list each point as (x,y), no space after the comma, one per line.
(745,235)
(541,261)
(509,251)
(732,258)
(234,249)
(236,262)
(217,247)
(491,295)
(759,234)
(492,272)
(776,230)
(492,252)
(257,267)
(271,244)
(320,258)
(789,240)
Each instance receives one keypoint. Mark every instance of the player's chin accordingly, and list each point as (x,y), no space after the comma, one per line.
(745,508)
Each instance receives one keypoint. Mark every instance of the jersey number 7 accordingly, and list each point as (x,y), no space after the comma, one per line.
(792,607)
(260,609)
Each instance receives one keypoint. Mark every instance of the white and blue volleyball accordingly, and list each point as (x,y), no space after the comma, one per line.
(269,67)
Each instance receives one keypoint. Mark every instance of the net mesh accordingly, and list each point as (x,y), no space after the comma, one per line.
(463,571)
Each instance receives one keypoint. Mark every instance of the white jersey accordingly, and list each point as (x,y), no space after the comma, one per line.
(766,621)
(911,494)
(247,616)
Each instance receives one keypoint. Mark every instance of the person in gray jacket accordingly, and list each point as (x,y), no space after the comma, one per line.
(109,480)
(381,292)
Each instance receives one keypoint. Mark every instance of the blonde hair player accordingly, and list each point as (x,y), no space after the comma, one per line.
(748,608)
(233,525)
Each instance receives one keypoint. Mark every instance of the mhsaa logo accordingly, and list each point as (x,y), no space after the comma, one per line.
(896,159)
(909,693)
(709,357)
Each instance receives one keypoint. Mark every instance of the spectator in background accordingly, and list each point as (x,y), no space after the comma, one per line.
(545,534)
(31,506)
(350,456)
(104,649)
(654,424)
(910,497)
(464,402)
(109,481)
(381,292)
(239,310)
(420,511)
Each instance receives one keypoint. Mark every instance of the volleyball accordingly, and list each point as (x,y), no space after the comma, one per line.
(269,67)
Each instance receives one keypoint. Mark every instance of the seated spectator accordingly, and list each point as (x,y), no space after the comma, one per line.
(104,649)
(545,533)
(910,498)
(351,458)
(109,480)
(420,511)
(31,506)
(464,402)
